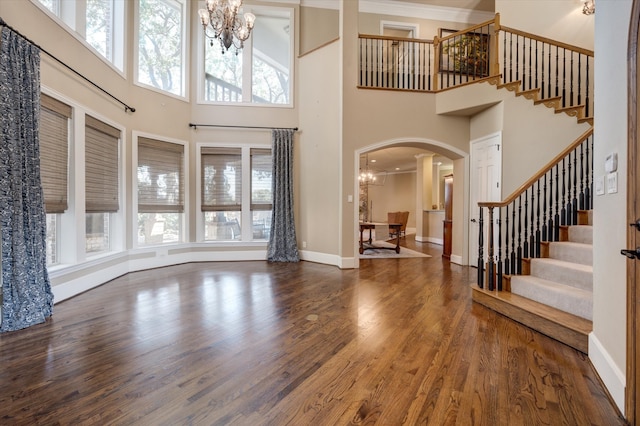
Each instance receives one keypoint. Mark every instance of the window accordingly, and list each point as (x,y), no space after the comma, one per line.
(101,182)
(54,143)
(160,191)
(221,186)
(161,45)
(261,192)
(100,23)
(261,73)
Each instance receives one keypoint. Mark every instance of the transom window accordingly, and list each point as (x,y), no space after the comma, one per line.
(261,72)
(100,23)
(161,45)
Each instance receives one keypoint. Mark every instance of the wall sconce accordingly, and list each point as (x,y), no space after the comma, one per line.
(589,7)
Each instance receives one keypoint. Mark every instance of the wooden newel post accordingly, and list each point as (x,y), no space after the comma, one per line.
(480,251)
(490,264)
(496,47)
(436,61)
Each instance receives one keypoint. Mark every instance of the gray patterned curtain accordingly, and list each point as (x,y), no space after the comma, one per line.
(282,241)
(26,291)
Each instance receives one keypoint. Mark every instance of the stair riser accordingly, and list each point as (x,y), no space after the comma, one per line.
(562,274)
(581,234)
(571,252)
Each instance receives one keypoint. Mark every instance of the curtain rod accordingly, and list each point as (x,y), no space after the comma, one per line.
(126,107)
(195,126)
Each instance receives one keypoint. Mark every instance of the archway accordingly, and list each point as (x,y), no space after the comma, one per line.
(461,164)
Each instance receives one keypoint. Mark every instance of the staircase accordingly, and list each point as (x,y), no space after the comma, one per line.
(563,277)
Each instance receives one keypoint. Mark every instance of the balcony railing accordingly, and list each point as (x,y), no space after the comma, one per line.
(551,71)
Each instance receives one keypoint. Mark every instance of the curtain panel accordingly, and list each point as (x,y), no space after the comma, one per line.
(26,291)
(282,245)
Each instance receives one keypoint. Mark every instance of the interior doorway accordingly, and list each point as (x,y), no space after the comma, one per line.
(485,177)
(632,405)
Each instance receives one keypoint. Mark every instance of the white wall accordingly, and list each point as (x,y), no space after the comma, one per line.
(607,346)
(561,20)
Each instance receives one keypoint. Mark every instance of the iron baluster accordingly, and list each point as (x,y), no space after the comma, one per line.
(519,251)
(490,260)
(526,223)
(499,265)
(480,251)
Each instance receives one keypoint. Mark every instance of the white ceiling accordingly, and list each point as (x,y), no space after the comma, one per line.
(399,159)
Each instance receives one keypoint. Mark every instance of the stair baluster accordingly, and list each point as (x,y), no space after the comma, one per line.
(507,260)
(574,201)
(490,261)
(480,251)
(545,217)
(563,212)
(537,235)
(526,224)
(519,259)
(556,219)
(499,265)
(582,176)
(532,240)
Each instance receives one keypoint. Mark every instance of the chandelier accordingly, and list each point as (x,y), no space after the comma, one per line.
(220,21)
(369,176)
(589,7)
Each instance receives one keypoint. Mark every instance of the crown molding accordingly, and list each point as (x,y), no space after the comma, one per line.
(411,10)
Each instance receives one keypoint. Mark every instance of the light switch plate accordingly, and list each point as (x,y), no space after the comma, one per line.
(600,185)
(612,183)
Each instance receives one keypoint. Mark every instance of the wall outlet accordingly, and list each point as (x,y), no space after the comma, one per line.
(304,244)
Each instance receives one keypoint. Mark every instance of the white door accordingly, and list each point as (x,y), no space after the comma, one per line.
(486,177)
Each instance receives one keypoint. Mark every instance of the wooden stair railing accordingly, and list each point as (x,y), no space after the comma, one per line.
(534,213)
(547,71)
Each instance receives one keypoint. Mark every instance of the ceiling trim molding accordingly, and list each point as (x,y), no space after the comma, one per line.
(405,9)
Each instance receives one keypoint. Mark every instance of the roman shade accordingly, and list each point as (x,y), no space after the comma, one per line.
(221,176)
(160,176)
(54,152)
(101,166)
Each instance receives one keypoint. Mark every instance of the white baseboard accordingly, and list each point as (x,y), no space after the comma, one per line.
(327,259)
(612,377)
(456,259)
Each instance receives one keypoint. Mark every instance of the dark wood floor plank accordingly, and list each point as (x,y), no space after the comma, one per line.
(398,341)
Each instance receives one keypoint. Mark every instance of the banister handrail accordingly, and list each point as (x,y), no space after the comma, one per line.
(393,38)
(540,173)
(468,30)
(574,48)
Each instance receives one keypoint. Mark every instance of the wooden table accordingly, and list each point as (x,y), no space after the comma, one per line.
(395,227)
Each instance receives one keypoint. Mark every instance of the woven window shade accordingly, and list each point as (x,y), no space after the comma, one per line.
(160,176)
(54,152)
(101,167)
(221,176)
(261,173)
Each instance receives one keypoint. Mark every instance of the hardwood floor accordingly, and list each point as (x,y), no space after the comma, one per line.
(397,341)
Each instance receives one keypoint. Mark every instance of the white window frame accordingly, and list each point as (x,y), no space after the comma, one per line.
(184,222)
(184,83)
(246,212)
(71,17)
(117,221)
(247,59)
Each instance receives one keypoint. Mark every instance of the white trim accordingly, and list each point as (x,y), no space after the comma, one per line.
(135,135)
(318,257)
(407,26)
(414,10)
(613,378)
(456,259)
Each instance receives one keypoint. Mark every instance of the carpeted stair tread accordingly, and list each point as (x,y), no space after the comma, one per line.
(571,252)
(581,234)
(564,297)
(569,273)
